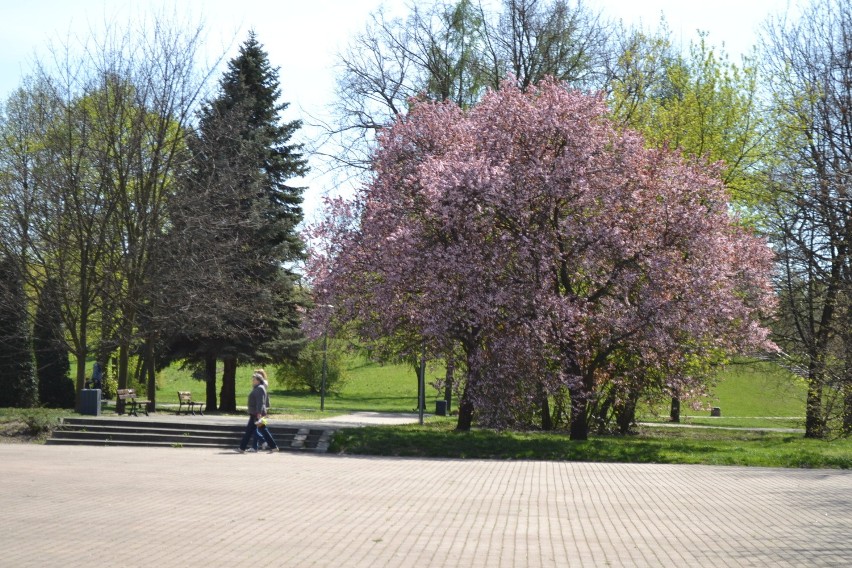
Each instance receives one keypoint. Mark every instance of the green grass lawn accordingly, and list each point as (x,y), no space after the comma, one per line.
(370,387)
(759,389)
(749,395)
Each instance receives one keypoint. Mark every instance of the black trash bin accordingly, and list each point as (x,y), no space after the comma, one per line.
(90,402)
(440,408)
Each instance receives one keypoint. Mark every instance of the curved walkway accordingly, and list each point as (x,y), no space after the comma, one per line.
(87,506)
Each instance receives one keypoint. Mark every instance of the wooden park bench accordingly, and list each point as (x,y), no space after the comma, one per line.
(185,400)
(128,396)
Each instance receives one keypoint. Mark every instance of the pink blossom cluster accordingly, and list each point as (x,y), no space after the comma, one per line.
(556,250)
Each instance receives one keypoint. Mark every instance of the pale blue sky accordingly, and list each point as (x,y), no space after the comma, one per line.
(302,36)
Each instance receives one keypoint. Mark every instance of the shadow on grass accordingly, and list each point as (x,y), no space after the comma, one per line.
(440,440)
(405,441)
(300,394)
(305,394)
(343,402)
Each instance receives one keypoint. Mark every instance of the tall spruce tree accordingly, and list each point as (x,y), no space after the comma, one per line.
(53,365)
(237,218)
(18,387)
(251,88)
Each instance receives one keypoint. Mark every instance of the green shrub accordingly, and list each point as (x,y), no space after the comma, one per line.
(306,372)
(110,386)
(39,421)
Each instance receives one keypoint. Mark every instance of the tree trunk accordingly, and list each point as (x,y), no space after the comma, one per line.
(81,380)
(625,415)
(415,362)
(465,420)
(546,418)
(81,351)
(228,394)
(847,409)
(448,382)
(579,416)
(151,372)
(814,421)
(674,413)
(600,412)
(210,381)
(579,393)
(123,360)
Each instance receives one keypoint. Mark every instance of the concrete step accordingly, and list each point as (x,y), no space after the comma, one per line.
(191,433)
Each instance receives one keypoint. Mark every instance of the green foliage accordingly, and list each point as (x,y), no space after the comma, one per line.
(39,421)
(18,383)
(110,385)
(700,104)
(307,371)
(30,422)
(454,52)
(55,388)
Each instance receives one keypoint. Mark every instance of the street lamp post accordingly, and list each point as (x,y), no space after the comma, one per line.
(324,361)
(324,368)
(421,385)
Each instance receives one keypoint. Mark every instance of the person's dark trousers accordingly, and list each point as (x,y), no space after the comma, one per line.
(266,435)
(250,428)
(255,441)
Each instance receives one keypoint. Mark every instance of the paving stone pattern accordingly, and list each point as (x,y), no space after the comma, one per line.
(88,506)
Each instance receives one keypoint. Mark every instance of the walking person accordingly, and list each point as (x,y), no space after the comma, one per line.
(266,404)
(257,409)
(96,382)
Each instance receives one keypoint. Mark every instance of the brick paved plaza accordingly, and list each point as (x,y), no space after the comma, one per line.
(110,506)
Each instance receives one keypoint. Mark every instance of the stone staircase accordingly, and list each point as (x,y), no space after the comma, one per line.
(191,432)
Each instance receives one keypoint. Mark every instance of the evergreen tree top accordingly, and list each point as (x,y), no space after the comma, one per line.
(250,87)
(251,79)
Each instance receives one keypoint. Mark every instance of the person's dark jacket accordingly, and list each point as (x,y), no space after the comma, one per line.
(257,401)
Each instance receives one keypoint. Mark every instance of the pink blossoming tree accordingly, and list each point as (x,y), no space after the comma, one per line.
(561,254)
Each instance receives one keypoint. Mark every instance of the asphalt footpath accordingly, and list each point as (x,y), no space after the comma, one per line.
(90,506)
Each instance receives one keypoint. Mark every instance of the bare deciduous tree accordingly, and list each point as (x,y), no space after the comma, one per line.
(810,80)
(454,51)
(93,149)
